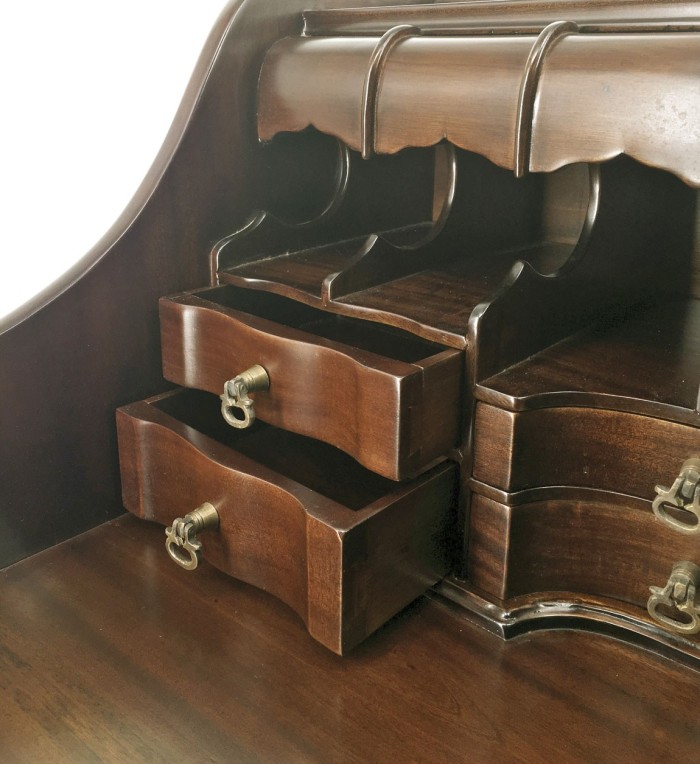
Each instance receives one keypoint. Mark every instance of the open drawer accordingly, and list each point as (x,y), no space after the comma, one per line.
(345,548)
(389,399)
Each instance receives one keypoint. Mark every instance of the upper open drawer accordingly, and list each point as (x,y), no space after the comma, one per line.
(525,101)
(387,398)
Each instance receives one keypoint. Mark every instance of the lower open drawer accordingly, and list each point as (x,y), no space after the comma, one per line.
(344,547)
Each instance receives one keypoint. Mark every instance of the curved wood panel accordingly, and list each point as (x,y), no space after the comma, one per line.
(604,95)
(92,337)
(445,17)
(570,446)
(648,364)
(599,96)
(386,413)
(573,546)
(462,89)
(344,570)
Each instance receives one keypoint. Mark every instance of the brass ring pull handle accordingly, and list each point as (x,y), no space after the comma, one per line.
(683,495)
(236,407)
(181,540)
(677,598)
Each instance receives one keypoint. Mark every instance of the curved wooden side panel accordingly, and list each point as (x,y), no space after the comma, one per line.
(90,342)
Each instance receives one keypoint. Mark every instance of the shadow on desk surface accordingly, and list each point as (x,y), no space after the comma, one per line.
(109,652)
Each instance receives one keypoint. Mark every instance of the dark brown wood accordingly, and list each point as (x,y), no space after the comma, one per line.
(622,81)
(92,337)
(658,210)
(595,448)
(647,364)
(447,15)
(589,544)
(464,109)
(361,387)
(343,547)
(99,666)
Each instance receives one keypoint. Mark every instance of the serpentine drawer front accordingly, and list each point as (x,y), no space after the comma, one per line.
(589,543)
(345,548)
(387,398)
(575,446)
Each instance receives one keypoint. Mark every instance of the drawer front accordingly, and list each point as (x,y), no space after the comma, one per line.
(345,569)
(396,413)
(596,545)
(570,446)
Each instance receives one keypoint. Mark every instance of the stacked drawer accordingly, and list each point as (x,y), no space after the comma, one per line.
(587,471)
(325,482)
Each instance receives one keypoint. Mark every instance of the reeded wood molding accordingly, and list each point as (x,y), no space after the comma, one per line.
(638,96)
(533,116)
(370,91)
(546,40)
(534,16)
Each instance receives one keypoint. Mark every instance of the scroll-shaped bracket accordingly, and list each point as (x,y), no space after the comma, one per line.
(683,495)
(236,405)
(181,540)
(674,606)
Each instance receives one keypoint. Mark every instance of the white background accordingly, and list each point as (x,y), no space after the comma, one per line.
(88,91)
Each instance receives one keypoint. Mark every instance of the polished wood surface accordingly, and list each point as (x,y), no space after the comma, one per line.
(508,14)
(387,398)
(625,85)
(547,101)
(571,543)
(568,445)
(648,363)
(92,337)
(343,547)
(472,111)
(110,654)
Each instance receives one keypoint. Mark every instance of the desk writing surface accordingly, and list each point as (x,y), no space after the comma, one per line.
(111,653)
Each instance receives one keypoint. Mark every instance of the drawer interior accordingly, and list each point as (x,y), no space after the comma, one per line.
(365,335)
(322,468)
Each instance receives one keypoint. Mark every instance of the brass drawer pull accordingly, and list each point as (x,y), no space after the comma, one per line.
(677,598)
(683,495)
(181,537)
(236,406)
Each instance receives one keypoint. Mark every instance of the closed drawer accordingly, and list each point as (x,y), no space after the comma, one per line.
(584,447)
(586,543)
(345,548)
(389,399)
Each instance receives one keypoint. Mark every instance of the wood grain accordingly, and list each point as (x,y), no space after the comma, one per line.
(598,96)
(345,549)
(327,377)
(648,363)
(110,654)
(573,545)
(438,18)
(572,446)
